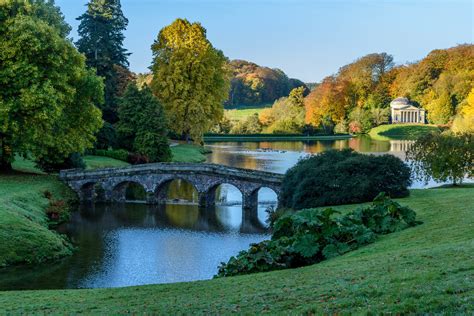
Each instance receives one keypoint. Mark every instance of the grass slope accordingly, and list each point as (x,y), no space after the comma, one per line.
(401,131)
(425,269)
(24,233)
(97,162)
(189,153)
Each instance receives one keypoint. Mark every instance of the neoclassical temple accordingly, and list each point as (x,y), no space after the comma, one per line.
(405,112)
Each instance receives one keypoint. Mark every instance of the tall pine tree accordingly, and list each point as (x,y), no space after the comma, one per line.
(101,41)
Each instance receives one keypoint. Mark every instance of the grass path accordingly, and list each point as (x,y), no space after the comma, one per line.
(425,269)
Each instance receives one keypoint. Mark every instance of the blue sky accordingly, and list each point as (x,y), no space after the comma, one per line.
(308,39)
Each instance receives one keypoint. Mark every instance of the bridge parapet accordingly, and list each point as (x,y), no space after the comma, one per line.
(154,178)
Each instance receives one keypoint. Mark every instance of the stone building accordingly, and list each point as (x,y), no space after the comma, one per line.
(402,111)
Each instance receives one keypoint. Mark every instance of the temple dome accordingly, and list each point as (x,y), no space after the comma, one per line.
(399,103)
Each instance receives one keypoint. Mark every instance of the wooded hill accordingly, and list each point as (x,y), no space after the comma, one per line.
(251,84)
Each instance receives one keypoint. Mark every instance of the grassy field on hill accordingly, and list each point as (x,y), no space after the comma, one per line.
(242,112)
(425,269)
(401,131)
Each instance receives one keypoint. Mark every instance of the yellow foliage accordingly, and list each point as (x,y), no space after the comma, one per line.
(464,121)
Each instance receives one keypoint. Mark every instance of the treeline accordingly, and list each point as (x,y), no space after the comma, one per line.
(358,96)
(251,84)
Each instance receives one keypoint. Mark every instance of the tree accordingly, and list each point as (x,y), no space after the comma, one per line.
(47,95)
(142,124)
(287,114)
(443,157)
(251,125)
(380,115)
(101,41)
(189,78)
(464,121)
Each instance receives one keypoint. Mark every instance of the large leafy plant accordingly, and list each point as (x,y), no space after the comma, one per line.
(313,235)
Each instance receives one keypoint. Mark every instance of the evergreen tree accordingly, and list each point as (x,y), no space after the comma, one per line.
(190,78)
(142,124)
(101,41)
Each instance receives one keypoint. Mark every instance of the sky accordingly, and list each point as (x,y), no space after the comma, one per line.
(307,39)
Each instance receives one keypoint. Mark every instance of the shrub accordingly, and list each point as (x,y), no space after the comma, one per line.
(73,161)
(57,211)
(310,236)
(137,159)
(342,177)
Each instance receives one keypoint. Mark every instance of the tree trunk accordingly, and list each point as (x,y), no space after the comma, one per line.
(5,156)
(5,166)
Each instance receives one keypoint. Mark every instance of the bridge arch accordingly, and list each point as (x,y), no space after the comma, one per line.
(87,191)
(220,192)
(124,191)
(184,189)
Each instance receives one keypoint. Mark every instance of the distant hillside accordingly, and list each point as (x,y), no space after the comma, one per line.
(253,84)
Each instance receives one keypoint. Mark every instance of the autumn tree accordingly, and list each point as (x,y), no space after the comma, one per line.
(101,41)
(440,82)
(48,96)
(464,121)
(142,125)
(189,78)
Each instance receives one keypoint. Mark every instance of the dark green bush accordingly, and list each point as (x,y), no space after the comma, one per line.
(310,236)
(342,177)
(50,164)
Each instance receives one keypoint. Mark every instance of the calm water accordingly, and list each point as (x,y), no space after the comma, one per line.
(136,244)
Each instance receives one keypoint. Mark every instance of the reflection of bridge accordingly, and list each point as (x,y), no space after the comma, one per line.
(110,185)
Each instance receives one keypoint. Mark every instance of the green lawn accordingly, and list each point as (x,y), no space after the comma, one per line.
(401,131)
(97,162)
(424,269)
(24,233)
(242,112)
(189,153)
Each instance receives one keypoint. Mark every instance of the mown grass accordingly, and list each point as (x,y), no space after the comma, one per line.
(24,233)
(189,153)
(401,131)
(25,237)
(424,269)
(97,162)
(242,112)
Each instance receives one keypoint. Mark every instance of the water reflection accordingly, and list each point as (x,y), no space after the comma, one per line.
(280,156)
(134,244)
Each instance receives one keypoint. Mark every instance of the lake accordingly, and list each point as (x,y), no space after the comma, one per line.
(136,244)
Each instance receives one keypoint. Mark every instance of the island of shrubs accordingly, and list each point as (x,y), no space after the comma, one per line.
(304,236)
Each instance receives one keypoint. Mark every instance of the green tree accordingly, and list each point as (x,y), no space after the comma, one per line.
(190,78)
(101,41)
(443,157)
(47,95)
(142,124)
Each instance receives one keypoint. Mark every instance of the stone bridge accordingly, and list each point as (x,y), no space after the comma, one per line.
(110,185)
